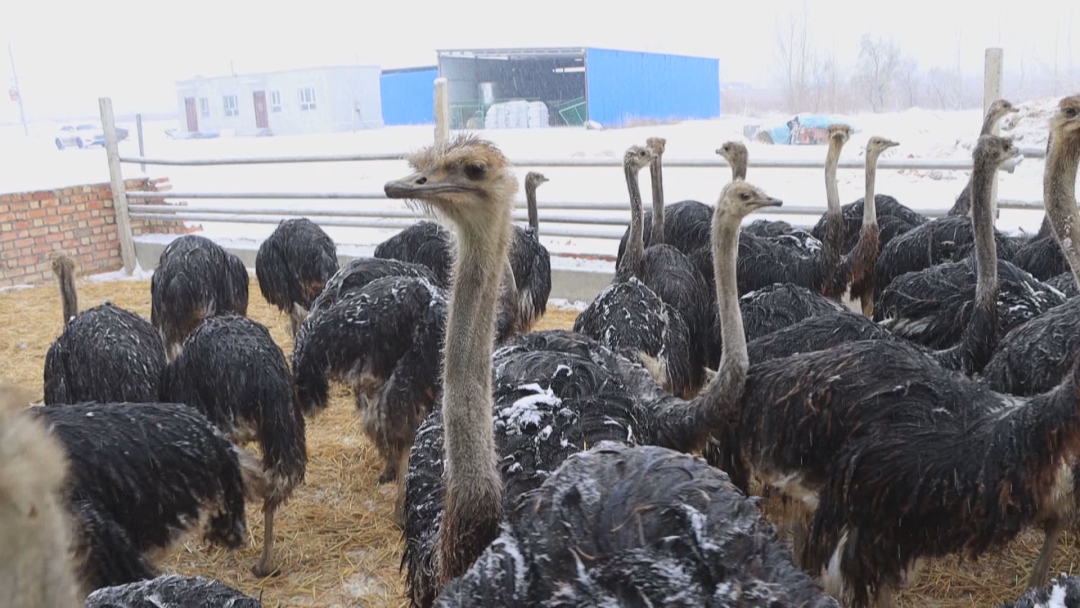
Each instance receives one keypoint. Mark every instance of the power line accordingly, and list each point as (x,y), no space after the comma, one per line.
(18,92)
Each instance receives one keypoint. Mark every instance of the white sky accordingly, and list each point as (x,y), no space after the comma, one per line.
(70,53)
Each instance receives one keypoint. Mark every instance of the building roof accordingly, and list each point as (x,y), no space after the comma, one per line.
(257,75)
(514,53)
(423,68)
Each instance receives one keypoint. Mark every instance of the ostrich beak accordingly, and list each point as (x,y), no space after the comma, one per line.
(421,185)
(893,144)
(770,202)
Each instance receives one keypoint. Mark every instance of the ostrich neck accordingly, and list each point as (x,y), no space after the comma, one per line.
(738,169)
(68,295)
(656,172)
(834,219)
(470,330)
(534,216)
(725,254)
(634,255)
(869,218)
(1059,196)
(982,220)
(989,121)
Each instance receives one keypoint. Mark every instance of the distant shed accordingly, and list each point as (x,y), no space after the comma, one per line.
(577,84)
(408,96)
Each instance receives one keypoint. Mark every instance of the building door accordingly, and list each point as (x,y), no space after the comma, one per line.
(192,117)
(261,121)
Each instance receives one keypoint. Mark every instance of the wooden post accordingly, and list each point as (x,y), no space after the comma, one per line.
(442,111)
(992,77)
(123,222)
(142,152)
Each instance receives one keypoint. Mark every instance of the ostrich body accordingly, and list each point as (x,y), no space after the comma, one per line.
(999,109)
(163,468)
(293,265)
(1065,283)
(104,354)
(34,539)
(1062,592)
(878,440)
(384,340)
(531,264)
(171,591)
(1036,356)
(630,317)
(358,272)
(426,243)
(233,372)
(195,279)
(535,429)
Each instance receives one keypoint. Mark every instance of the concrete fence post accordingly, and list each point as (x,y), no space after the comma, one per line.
(993,74)
(120,206)
(442,111)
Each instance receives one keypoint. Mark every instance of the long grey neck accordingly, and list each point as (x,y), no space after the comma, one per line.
(470,332)
(534,216)
(656,171)
(832,247)
(68,295)
(1059,196)
(989,121)
(832,191)
(869,218)
(634,255)
(982,220)
(738,168)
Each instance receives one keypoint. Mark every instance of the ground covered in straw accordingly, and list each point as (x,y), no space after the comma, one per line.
(336,541)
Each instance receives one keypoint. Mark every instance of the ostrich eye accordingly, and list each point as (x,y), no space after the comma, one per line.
(475,171)
(745,196)
(1070,112)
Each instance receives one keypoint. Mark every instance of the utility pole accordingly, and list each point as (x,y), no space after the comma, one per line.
(18,92)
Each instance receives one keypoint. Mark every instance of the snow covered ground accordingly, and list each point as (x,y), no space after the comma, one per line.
(921,133)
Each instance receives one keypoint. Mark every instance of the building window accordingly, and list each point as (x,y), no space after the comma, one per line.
(275,101)
(231,107)
(204,107)
(307,99)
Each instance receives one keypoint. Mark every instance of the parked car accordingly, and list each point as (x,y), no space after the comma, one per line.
(84,135)
(808,129)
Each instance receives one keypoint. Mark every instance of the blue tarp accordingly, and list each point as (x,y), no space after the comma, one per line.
(781,134)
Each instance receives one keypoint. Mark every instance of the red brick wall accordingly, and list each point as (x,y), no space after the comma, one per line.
(79,221)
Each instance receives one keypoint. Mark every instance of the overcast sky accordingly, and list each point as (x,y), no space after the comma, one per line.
(69,53)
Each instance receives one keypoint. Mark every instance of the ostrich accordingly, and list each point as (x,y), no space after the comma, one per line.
(470,182)
(104,354)
(195,279)
(736,155)
(1042,255)
(358,272)
(162,470)
(879,441)
(1035,357)
(763,262)
(530,263)
(931,307)
(34,538)
(384,339)
(1063,592)
(857,268)
(998,110)
(233,372)
(293,265)
(171,590)
(631,318)
(426,243)
(1065,283)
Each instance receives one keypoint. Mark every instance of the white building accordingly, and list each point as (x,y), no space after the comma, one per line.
(316,100)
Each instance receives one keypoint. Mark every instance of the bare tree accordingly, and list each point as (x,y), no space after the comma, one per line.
(908,80)
(794,54)
(879,60)
(939,86)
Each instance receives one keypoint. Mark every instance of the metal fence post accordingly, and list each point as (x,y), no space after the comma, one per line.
(120,206)
(442,111)
(993,64)
(142,152)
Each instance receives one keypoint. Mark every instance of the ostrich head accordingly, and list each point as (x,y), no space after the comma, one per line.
(656,144)
(466,179)
(637,158)
(839,134)
(877,144)
(739,199)
(992,150)
(62,263)
(1067,118)
(534,179)
(733,151)
(1000,107)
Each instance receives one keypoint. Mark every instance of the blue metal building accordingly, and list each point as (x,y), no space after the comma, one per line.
(576,84)
(408,96)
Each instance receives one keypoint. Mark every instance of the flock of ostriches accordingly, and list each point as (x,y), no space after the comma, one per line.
(557,468)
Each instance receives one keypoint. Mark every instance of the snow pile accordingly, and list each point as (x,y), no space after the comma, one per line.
(517,115)
(1030,126)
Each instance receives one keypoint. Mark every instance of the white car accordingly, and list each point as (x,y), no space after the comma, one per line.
(84,135)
